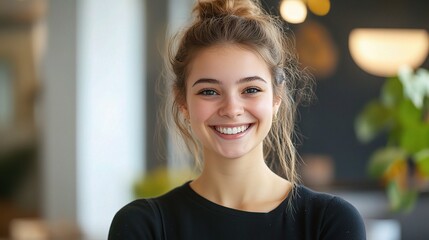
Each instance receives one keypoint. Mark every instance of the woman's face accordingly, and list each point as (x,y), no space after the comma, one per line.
(229,101)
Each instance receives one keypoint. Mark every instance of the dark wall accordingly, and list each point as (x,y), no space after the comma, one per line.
(327,125)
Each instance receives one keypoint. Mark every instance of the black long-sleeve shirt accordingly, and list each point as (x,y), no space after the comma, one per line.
(183,214)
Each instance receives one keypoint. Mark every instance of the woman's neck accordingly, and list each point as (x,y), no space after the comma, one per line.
(244,183)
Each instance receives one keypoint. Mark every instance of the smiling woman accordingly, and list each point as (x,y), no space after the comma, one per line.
(230,88)
(235,89)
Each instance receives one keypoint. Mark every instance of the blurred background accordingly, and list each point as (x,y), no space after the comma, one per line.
(78,119)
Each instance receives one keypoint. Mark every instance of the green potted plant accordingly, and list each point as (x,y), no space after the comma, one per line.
(401,111)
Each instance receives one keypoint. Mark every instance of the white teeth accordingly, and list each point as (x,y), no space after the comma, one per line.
(233,130)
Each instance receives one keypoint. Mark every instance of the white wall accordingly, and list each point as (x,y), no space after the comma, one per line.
(93,110)
(110,106)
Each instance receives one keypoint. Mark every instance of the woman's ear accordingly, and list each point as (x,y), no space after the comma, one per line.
(184,111)
(277,101)
(276,104)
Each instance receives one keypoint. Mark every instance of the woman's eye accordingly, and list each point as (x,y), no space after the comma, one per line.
(207,92)
(252,90)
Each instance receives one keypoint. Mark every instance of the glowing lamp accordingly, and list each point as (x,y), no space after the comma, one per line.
(293,11)
(319,7)
(382,51)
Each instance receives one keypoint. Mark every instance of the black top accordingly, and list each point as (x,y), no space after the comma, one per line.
(183,214)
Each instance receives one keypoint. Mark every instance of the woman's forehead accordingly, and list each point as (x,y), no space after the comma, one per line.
(227,61)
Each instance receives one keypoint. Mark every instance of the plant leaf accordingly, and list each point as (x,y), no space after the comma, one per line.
(414,138)
(394,195)
(392,92)
(421,159)
(408,114)
(382,159)
(400,199)
(371,121)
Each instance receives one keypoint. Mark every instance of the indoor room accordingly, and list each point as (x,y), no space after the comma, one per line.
(82,97)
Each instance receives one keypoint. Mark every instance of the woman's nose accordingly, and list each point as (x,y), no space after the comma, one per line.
(231,107)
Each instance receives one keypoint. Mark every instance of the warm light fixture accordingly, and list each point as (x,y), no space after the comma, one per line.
(319,7)
(382,52)
(293,11)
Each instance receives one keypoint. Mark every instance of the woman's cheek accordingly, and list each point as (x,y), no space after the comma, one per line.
(262,108)
(200,111)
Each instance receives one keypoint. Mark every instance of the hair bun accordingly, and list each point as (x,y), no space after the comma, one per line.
(206,9)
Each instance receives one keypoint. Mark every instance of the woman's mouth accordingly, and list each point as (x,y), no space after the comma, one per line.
(232,130)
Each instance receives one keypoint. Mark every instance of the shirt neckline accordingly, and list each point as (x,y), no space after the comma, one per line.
(217,208)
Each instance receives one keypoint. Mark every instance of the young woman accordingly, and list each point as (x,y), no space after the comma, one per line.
(236,85)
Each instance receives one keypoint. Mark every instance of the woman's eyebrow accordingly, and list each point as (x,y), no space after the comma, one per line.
(242,80)
(206,80)
(252,78)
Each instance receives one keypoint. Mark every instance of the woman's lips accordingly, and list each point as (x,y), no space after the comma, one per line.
(232,130)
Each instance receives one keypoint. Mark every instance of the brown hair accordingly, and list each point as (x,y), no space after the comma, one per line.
(245,23)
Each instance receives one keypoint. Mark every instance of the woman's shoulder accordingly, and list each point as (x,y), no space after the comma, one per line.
(136,220)
(304,193)
(322,203)
(311,199)
(141,218)
(336,217)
